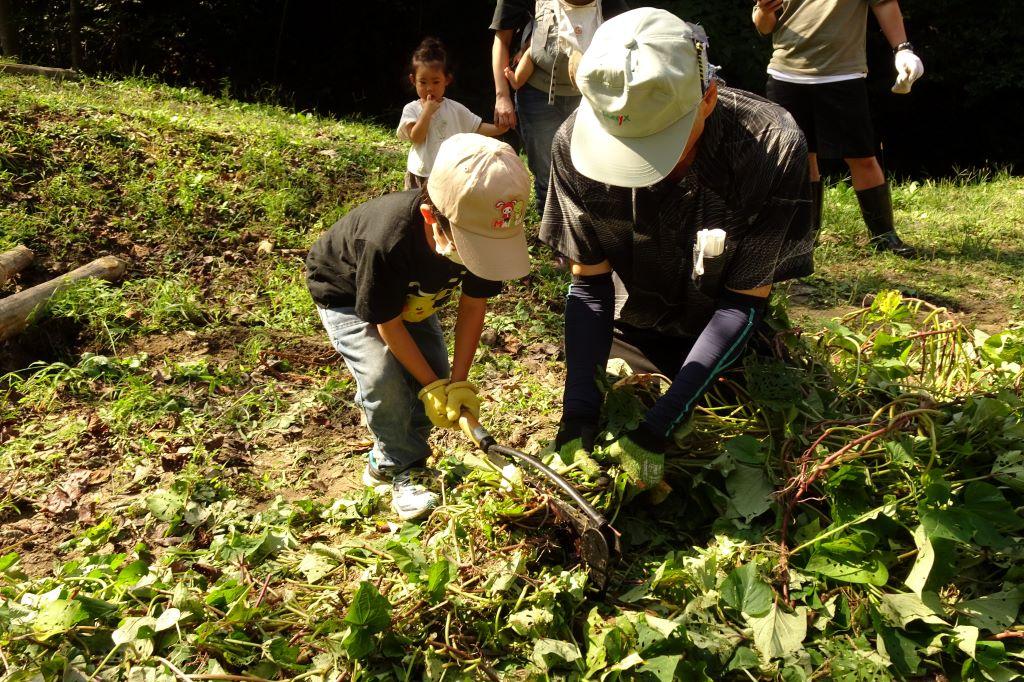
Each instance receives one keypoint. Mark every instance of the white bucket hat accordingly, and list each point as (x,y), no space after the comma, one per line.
(641,80)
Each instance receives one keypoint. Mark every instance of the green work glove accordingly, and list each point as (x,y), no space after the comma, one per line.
(435,403)
(462,395)
(575,442)
(644,467)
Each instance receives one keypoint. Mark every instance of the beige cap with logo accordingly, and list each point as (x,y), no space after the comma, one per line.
(641,85)
(482,187)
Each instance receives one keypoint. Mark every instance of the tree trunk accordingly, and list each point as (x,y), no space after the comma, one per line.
(20,310)
(14,261)
(8,31)
(76,36)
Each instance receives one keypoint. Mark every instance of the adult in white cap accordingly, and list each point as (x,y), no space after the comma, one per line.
(817,72)
(377,277)
(658,151)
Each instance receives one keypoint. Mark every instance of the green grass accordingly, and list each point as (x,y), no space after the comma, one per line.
(970,229)
(179,473)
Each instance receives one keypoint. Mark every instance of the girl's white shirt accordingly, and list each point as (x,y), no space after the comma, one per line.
(450,119)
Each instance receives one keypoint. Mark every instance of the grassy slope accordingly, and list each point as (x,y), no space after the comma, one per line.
(210,371)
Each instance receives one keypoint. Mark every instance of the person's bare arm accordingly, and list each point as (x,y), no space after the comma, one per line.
(468,325)
(890,19)
(504,110)
(405,350)
(765,17)
(491,130)
(418,132)
(522,73)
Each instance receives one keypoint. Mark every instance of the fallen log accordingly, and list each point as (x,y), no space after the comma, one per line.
(14,261)
(44,71)
(18,311)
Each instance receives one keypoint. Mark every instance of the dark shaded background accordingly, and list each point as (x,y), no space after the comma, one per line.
(350,58)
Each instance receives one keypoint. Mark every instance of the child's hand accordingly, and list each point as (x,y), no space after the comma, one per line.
(430,105)
(511,76)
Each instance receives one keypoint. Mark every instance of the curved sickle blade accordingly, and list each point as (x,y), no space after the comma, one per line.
(598,543)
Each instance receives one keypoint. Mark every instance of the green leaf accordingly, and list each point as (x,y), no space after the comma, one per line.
(165,505)
(550,654)
(408,557)
(904,608)
(531,621)
(750,491)
(662,667)
(966,638)
(623,411)
(131,574)
(989,654)
(988,502)
(918,576)
(628,663)
(746,592)
(744,658)
(369,609)
(315,565)
(850,560)
(1009,469)
(25,675)
(901,650)
(778,634)
(281,653)
(358,643)
(168,619)
(746,450)
(134,628)
(438,576)
(994,612)
(8,560)
(505,577)
(57,617)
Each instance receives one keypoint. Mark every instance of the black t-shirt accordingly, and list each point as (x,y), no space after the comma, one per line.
(749,177)
(377,260)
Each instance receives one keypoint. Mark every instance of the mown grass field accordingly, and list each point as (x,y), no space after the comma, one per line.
(179,452)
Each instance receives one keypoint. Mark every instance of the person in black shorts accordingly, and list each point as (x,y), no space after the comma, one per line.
(817,72)
(695,197)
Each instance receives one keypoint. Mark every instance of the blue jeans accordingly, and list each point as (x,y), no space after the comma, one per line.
(386,391)
(538,122)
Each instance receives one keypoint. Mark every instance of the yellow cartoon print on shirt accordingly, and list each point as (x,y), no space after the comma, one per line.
(419,304)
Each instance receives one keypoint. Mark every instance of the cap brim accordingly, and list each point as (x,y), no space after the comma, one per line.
(493,259)
(626,161)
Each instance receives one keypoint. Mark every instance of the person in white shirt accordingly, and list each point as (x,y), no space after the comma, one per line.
(433,118)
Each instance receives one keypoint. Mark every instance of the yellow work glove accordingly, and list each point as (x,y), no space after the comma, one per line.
(434,401)
(462,395)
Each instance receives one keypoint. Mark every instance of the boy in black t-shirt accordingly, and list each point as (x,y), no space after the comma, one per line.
(380,273)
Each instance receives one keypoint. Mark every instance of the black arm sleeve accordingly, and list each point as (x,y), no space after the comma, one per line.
(719,346)
(589,311)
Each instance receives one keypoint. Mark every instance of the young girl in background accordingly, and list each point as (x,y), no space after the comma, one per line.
(433,118)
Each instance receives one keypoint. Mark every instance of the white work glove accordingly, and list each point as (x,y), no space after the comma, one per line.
(908,69)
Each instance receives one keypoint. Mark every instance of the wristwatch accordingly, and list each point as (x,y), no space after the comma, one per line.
(905,45)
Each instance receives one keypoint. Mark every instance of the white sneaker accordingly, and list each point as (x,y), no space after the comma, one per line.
(411,496)
(376,480)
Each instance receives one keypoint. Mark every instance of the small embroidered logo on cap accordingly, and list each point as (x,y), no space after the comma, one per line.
(508,213)
(618,118)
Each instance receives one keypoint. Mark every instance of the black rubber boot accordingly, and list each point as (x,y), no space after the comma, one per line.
(876,207)
(817,197)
